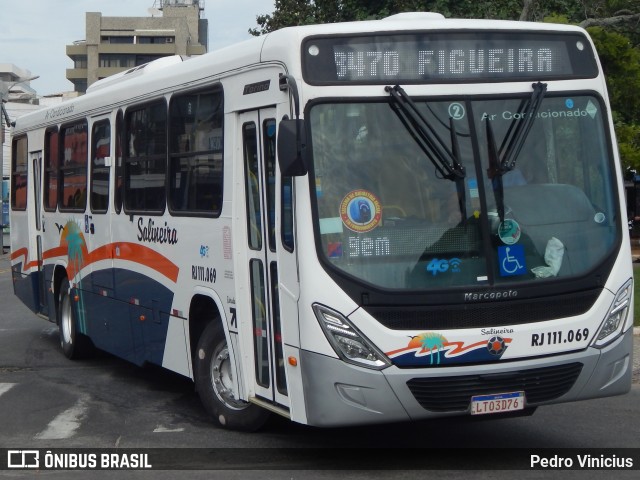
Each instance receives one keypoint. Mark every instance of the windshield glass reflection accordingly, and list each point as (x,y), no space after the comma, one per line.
(389,213)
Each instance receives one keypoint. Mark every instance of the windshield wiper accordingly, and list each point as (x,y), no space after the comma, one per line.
(446,160)
(503,160)
(443,158)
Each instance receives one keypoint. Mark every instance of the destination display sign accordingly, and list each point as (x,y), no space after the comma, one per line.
(447,57)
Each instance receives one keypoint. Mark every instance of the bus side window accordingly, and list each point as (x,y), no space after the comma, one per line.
(19,179)
(287,213)
(100,150)
(117,197)
(145,165)
(73,170)
(252,175)
(269,141)
(51,165)
(196,152)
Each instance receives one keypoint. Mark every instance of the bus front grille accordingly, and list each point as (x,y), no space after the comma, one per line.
(450,394)
(484,315)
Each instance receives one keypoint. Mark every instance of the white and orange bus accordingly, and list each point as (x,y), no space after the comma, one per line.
(344,224)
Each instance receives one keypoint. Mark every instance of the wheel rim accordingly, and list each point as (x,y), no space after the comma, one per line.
(66,320)
(222,378)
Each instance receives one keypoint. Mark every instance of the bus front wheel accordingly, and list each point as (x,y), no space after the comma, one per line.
(74,345)
(214,381)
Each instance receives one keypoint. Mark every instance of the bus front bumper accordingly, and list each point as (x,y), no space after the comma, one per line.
(340,394)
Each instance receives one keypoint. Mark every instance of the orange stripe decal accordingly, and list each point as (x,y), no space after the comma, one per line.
(131,252)
(21,252)
(146,256)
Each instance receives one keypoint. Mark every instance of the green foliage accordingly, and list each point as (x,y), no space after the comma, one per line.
(618,47)
(287,13)
(557,18)
(303,12)
(621,64)
(629,145)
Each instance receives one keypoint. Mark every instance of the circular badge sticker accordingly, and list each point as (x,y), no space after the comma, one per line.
(509,231)
(360,211)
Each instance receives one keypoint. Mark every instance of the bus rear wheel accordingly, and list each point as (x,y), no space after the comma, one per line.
(214,382)
(74,345)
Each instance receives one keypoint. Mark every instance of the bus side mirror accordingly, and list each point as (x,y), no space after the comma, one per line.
(292,144)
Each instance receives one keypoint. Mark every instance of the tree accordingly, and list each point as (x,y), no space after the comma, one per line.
(590,12)
(305,12)
(613,25)
(628,136)
(621,65)
(287,13)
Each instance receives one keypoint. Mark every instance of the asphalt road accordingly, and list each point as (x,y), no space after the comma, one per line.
(47,401)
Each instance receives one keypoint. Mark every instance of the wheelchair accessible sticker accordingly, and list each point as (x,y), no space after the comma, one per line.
(511,260)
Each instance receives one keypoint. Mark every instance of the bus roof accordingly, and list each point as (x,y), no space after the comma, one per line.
(154,78)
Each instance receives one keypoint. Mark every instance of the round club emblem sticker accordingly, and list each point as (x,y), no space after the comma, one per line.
(509,231)
(496,346)
(360,211)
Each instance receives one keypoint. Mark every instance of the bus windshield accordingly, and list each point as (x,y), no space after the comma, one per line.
(387,216)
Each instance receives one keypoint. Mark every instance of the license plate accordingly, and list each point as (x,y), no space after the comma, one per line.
(497,403)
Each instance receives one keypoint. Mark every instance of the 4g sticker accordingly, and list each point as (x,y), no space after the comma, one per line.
(436,266)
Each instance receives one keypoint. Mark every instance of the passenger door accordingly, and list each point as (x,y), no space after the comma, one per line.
(261,179)
(36,164)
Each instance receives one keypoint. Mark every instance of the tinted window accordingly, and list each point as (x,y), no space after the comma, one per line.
(196,153)
(387,216)
(100,151)
(73,171)
(269,141)
(19,174)
(252,175)
(51,165)
(145,159)
(119,165)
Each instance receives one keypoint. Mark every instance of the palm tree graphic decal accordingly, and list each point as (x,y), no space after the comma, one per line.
(75,244)
(429,342)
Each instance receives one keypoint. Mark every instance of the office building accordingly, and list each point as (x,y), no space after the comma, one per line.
(115,44)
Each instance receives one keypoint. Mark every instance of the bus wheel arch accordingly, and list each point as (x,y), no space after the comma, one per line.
(59,274)
(203,310)
(213,371)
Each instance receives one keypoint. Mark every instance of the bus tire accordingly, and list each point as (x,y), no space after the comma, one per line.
(213,377)
(74,345)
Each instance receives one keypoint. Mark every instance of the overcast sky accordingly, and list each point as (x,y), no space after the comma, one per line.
(34,33)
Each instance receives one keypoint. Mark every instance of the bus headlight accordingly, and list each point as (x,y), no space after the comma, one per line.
(616,318)
(350,345)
